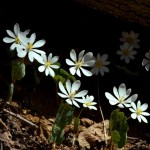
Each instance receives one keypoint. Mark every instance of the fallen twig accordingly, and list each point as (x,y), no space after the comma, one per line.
(20,117)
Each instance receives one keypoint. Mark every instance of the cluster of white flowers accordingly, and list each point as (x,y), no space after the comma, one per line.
(28,46)
(25,45)
(130,41)
(122,100)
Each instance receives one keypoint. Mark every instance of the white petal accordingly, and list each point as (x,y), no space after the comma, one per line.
(8,40)
(39,43)
(16,28)
(69,101)
(133,115)
(61,87)
(22,54)
(68,86)
(47,72)
(76,104)
(62,95)
(55,66)
(78,72)
(13,46)
(52,73)
(36,56)
(32,38)
(93,107)
(73,55)
(113,102)
(139,118)
(144,106)
(144,119)
(122,89)
(75,86)
(88,56)
(86,72)
(54,59)
(132,110)
(72,70)
(145,114)
(110,97)
(120,105)
(41,68)
(11,34)
(115,91)
(81,93)
(39,51)
(81,55)
(69,62)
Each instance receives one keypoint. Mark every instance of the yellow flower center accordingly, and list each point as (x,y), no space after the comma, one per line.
(125,52)
(129,40)
(88,103)
(29,46)
(17,40)
(98,64)
(71,95)
(121,99)
(79,64)
(138,111)
(47,64)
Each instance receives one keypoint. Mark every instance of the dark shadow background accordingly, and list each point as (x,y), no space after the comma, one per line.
(66,25)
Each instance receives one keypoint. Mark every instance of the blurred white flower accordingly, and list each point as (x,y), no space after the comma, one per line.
(138,111)
(48,64)
(121,97)
(130,38)
(88,102)
(14,39)
(80,62)
(126,52)
(29,46)
(146,61)
(71,92)
(100,64)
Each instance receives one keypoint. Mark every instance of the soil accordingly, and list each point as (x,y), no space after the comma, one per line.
(22,127)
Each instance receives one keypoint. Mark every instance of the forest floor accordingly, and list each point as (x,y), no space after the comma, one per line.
(22,128)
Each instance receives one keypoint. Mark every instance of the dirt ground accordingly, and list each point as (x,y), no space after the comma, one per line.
(28,126)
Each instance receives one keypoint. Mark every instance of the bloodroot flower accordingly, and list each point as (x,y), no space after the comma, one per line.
(121,97)
(100,64)
(138,111)
(70,92)
(78,63)
(49,64)
(146,61)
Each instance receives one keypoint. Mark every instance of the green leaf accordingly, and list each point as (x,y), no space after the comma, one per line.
(18,70)
(63,117)
(118,122)
(115,136)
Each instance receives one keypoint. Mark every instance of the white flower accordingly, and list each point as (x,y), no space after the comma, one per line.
(146,61)
(29,46)
(126,51)
(48,64)
(71,93)
(14,39)
(80,62)
(139,111)
(121,96)
(100,64)
(131,38)
(88,102)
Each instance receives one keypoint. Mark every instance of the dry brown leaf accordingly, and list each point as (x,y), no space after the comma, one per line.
(92,134)
(87,122)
